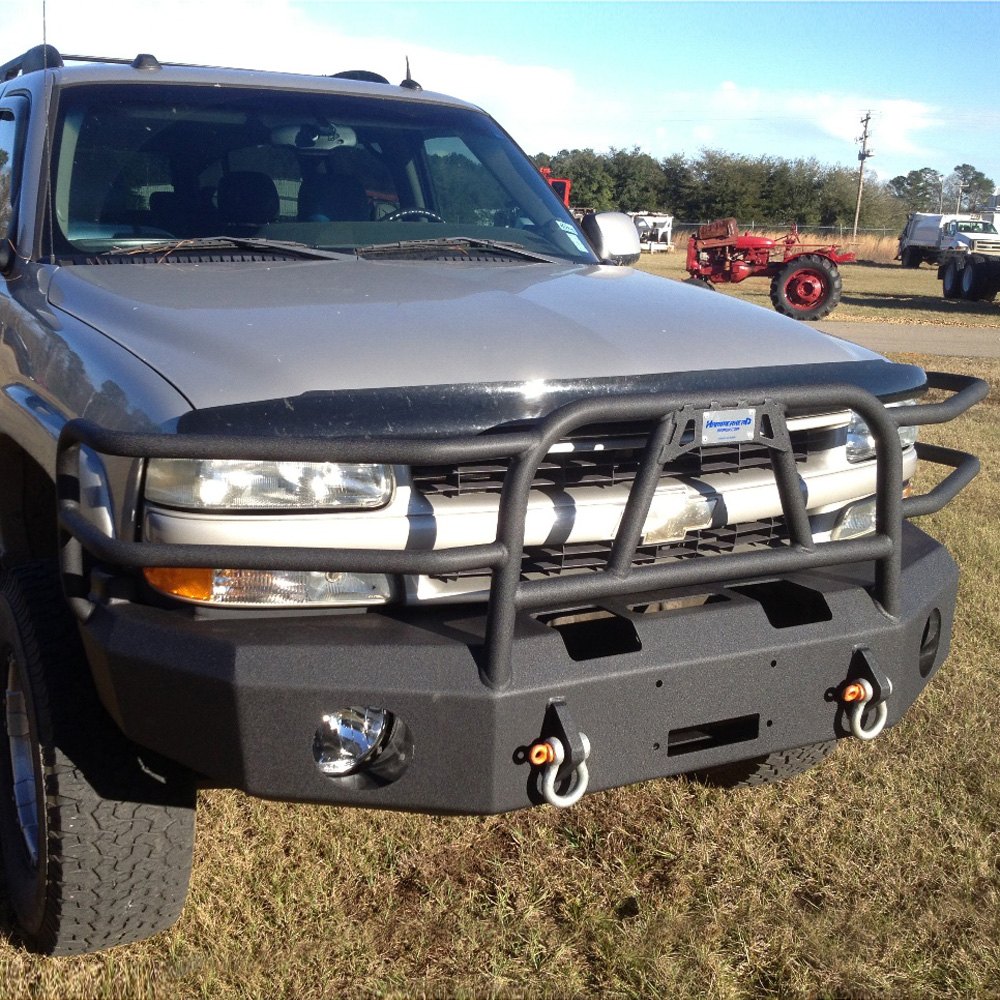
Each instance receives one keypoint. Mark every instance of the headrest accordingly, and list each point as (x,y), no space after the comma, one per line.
(247,196)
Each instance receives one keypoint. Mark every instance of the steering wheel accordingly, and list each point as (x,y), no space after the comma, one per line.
(411,213)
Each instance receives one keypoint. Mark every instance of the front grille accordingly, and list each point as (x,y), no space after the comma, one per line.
(554,560)
(607,461)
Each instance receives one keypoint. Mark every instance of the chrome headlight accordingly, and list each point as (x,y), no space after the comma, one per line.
(236,484)
(861,444)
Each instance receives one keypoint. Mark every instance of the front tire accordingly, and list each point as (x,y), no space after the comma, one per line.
(768,769)
(808,287)
(96,834)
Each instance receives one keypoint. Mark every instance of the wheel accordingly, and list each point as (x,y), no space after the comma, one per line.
(910,257)
(411,213)
(701,283)
(973,279)
(96,834)
(808,287)
(767,769)
(950,282)
(991,282)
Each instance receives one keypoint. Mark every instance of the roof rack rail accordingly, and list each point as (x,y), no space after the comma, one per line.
(40,57)
(48,57)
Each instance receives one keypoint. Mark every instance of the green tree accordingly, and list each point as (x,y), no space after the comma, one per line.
(638,180)
(968,189)
(792,191)
(680,187)
(729,186)
(920,190)
(593,186)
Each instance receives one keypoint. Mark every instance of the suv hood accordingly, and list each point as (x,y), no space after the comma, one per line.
(226,333)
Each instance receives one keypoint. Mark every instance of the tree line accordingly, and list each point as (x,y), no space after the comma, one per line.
(769,190)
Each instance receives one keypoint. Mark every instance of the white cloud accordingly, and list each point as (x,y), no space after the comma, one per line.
(543,107)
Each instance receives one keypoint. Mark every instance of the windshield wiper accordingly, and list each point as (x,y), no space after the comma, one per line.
(404,248)
(172,245)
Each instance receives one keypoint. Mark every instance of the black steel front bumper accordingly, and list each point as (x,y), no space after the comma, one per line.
(240,700)
(758,668)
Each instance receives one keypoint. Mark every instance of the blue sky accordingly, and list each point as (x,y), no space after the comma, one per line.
(790,79)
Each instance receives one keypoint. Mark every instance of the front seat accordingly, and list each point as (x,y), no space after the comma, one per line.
(333,198)
(247,198)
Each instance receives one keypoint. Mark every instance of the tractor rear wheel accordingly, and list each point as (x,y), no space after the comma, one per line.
(910,257)
(808,287)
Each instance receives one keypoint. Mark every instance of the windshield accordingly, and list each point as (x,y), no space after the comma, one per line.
(135,165)
(977,227)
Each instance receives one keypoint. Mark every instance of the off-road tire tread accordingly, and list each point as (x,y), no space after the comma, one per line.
(768,769)
(119,858)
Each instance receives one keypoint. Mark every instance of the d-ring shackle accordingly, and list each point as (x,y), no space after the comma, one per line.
(555,754)
(858,702)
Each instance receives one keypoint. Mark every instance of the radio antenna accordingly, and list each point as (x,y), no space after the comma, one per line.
(409,82)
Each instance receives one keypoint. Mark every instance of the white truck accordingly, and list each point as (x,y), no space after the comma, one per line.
(929,237)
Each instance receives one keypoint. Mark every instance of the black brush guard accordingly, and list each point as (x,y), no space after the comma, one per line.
(676,427)
(471,689)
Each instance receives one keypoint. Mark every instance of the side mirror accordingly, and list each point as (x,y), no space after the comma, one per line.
(613,236)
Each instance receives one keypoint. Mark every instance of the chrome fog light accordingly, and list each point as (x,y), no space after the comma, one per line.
(349,738)
(854,521)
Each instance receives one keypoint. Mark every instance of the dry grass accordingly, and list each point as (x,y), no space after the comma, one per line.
(875,875)
(876,288)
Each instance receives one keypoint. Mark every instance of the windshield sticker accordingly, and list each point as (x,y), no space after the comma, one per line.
(725,426)
(574,238)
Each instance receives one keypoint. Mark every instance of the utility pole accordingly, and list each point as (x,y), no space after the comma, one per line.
(862,156)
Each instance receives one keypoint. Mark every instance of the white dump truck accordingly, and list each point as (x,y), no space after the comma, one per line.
(928,237)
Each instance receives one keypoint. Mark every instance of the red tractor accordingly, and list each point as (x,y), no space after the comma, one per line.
(805,281)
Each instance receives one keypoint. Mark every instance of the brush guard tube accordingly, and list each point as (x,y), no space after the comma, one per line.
(677,428)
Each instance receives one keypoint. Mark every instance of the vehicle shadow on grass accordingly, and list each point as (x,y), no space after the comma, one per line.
(922,303)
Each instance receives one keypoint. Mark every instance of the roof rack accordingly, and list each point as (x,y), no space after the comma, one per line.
(40,57)
(48,57)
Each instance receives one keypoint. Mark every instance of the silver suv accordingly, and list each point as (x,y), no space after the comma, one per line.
(342,465)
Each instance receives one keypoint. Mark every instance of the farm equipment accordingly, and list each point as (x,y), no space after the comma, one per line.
(655,230)
(561,185)
(805,280)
